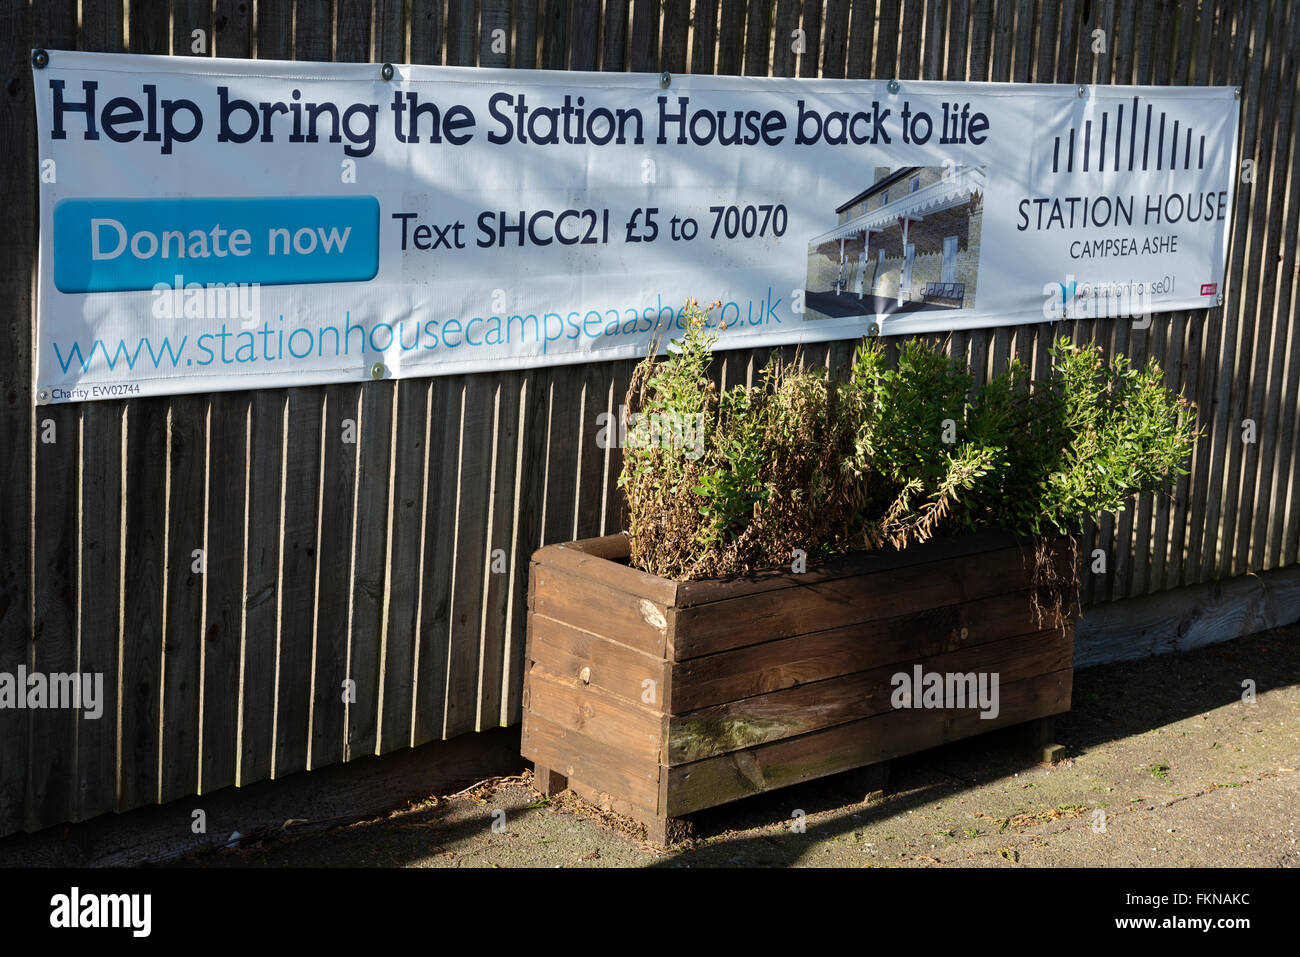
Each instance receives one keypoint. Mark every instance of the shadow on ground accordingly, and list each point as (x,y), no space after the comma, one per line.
(1165,765)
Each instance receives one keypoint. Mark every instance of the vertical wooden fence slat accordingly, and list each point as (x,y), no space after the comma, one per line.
(1158,532)
(471,560)
(615,514)
(810,57)
(187,454)
(1045,71)
(390,28)
(101,537)
(52,732)
(555,42)
(1022,66)
(1118,528)
(265,576)
(186,491)
(370,565)
(1003,40)
(461,28)
(1163,42)
(223,581)
(426,31)
(1171,504)
(591,457)
(1069,68)
(731,38)
(862,31)
(981,28)
(410,515)
(314,29)
(494,33)
(584,35)
(835,35)
(1126,44)
(223,578)
(534,407)
(525,50)
(144,490)
(1148,14)
(501,560)
(936,35)
(103,27)
(563,410)
(676,34)
(614,47)
(757,37)
(339,448)
(1199,537)
(784,23)
(645,36)
(438,556)
(98,590)
(262,636)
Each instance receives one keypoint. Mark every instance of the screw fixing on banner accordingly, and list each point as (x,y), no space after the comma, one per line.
(386,71)
(1219,300)
(665,80)
(377,371)
(894,86)
(1236,93)
(43,396)
(1083,91)
(873,330)
(40,59)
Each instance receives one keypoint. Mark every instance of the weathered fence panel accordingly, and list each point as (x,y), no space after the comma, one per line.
(228,562)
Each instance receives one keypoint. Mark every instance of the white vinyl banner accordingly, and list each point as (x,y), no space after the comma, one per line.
(226,224)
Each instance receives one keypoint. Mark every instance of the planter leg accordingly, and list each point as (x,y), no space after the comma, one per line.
(870,781)
(1037,736)
(669,830)
(547,781)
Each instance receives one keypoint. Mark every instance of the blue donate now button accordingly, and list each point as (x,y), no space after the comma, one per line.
(112,245)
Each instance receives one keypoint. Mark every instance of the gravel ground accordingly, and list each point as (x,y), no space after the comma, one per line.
(1165,765)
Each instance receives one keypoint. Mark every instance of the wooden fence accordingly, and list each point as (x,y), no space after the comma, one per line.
(372,561)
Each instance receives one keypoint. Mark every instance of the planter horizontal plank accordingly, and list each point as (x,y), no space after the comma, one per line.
(656,698)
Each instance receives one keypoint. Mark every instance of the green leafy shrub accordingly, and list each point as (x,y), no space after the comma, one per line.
(768,477)
(720,482)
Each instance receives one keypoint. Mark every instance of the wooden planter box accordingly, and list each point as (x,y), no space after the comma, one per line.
(655,698)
